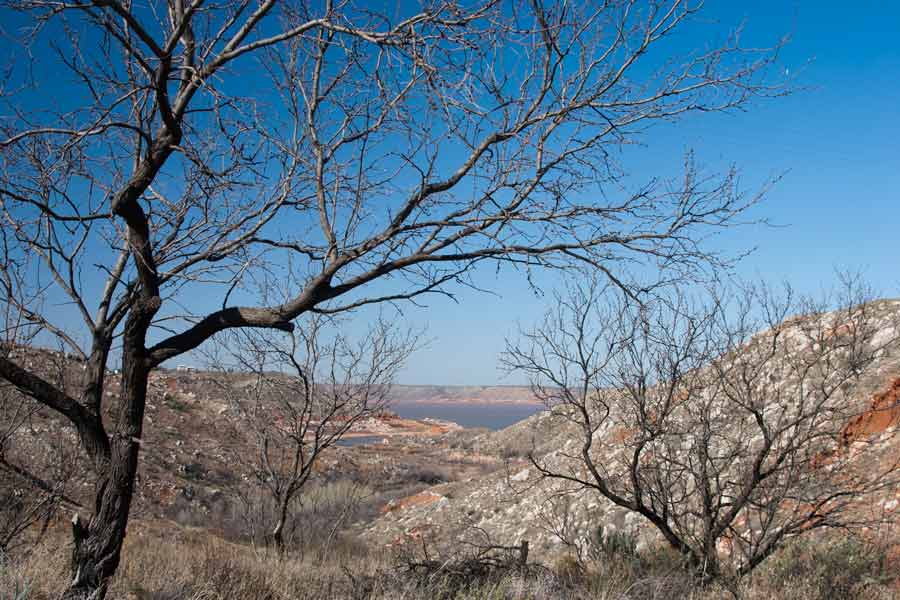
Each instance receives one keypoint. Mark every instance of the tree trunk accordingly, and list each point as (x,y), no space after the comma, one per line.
(278,537)
(98,546)
(278,531)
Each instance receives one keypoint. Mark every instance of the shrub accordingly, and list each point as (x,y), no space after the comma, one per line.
(174,403)
(613,543)
(425,474)
(12,585)
(836,569)
(569,569)
(518,447)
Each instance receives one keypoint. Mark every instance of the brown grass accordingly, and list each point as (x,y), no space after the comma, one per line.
(163,561)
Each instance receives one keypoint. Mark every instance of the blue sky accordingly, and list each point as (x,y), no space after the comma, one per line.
(836,141)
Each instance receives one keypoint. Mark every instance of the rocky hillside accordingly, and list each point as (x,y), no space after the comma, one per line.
(515,503)
(436,484)
(195,444)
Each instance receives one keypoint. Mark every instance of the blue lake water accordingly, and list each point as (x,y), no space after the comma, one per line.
(492,416)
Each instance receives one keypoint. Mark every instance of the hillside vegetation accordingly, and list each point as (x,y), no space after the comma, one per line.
(438,512)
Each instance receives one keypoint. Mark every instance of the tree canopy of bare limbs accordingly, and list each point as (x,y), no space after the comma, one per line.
(302,398)
(157,159)
(722,421)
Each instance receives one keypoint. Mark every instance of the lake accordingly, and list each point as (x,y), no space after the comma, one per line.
(492,416)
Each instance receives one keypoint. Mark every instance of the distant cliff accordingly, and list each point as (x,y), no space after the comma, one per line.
(469,394)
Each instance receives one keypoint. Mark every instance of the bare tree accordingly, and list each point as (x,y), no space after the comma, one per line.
(189,149)
(295,401)
(725,423)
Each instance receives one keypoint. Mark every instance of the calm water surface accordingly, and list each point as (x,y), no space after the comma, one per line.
(492,416)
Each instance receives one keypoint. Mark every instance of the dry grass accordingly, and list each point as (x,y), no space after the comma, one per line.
(162,562)
(166,562)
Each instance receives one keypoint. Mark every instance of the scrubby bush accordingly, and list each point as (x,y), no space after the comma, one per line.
(169,562)
(837,569)
(519,447)
(12,585)
(608,542)
(320,515)
(425,474)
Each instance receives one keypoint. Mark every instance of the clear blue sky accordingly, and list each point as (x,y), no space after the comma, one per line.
(836,140)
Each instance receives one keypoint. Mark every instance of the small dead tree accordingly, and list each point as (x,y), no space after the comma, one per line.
(728,425)
(294,400)
(471,559)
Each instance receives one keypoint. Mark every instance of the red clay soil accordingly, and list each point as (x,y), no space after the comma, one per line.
(883,413)
(417,533)
(843,330)
(420,499)
(621,434)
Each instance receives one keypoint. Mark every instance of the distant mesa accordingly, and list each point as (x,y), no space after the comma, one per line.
(462,394)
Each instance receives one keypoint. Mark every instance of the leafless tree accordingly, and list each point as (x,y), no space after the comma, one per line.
(176,152)
(727,424)
(296,400)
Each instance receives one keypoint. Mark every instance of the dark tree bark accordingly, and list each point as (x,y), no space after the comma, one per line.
(98,545)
